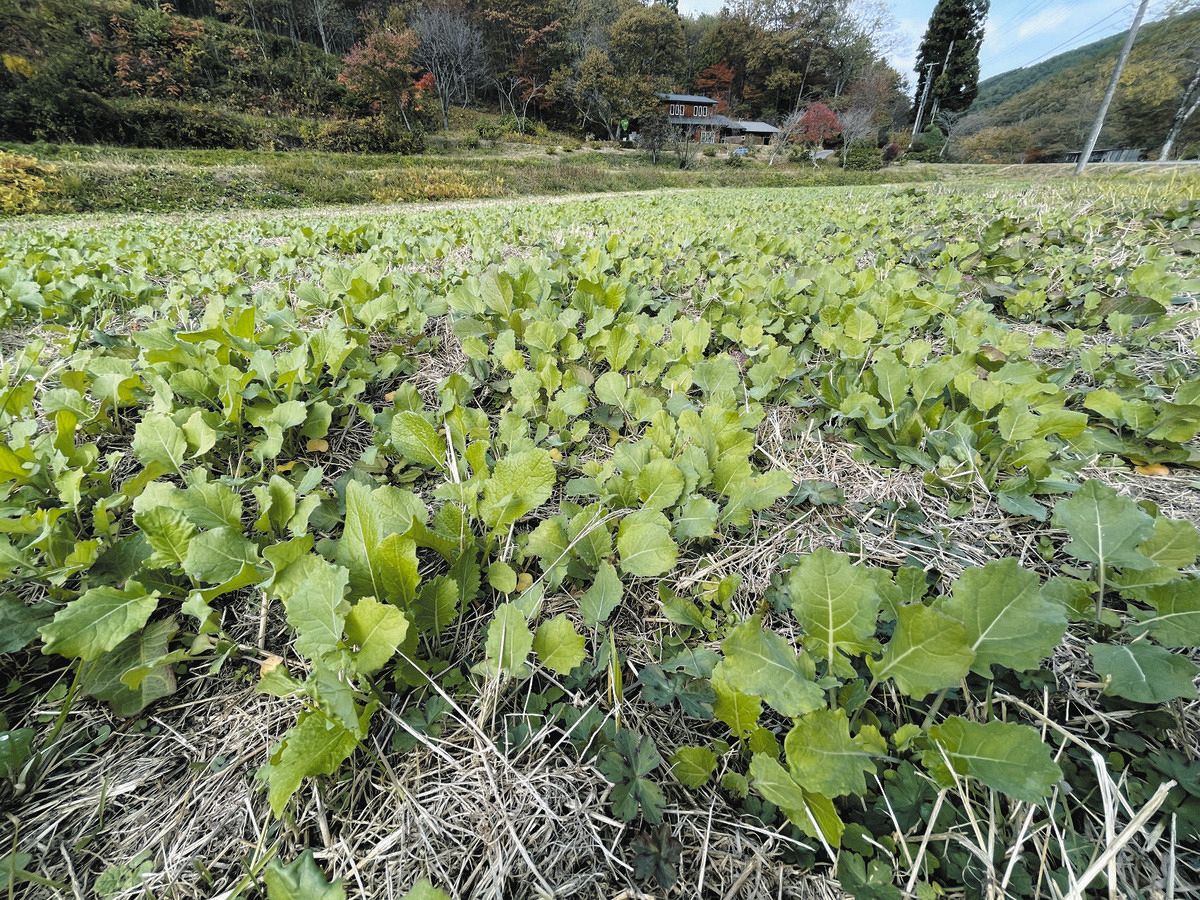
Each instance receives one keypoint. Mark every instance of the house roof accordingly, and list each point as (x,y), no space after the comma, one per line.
(756,127)
(686,98)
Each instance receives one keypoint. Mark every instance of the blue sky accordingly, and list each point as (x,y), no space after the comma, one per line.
(1019,32)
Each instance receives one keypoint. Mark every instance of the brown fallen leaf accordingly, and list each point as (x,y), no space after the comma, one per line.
(286,467)
(524,581)
(1157,470)
(389,396)
(317,445)
(270,664)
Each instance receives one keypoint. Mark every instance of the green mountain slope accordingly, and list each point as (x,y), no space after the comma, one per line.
(1046,109)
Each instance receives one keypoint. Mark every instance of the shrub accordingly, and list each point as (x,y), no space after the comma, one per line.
(709,151)
(892,152)
(22,182)
(864,158)
(372,134)
(489,131)
(434,184)
(169,124)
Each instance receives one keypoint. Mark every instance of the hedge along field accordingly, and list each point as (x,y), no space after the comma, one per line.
(718,544)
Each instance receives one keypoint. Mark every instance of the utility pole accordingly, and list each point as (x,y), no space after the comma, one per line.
(921,106)
(945,65)
(1112,89)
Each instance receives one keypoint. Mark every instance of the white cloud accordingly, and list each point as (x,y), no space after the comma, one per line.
(1046,20)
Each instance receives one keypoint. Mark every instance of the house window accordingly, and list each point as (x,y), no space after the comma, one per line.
(700,111)
(708,137)
(675,109)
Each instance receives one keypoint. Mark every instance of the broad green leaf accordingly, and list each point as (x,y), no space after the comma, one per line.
(158,440)
(738,710)
(1105,528)
(837,604)
(1005,756)
(502,577)
(509,641)
(762,663)
(376,629)
(928,651)
(169,533)
(16,747)
(1176,618)
(645,545)
(519,484)
(558,645)
(1007,620)
(373,516)
(418,440)
(823,758)
(301,879)
(97,621)
(218,555)
(146,648)
(1174,543)
(19,622)
(659,484)
(696,519)
(597,602)
(693,766)
(396,559)
(1143,672)
(313,594)
(315,745)
(438,605)
(812,814)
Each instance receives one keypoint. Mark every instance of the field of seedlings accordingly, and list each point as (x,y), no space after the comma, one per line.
(785,543)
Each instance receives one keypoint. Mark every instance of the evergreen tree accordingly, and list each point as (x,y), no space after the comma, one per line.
(956,78)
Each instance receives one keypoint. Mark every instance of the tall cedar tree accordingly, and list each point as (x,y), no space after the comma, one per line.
(960,22)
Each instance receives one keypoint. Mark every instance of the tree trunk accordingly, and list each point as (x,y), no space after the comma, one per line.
(319,15)
(1187,106)
(1112,89)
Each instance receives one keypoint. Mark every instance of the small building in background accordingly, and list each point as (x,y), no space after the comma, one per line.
(1114,155)
(754,133)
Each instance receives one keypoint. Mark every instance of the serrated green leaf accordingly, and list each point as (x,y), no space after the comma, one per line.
(301,879)
(598,602)
(97,621)
(315,745)
(313,594)
(373,516)
(822,757)
(558,645)
(1005,756)
(519,484)
(376,629)
(693,766)
(418,440)
(928,651)
(158,440)
(1176,619)
(218,555)
(1174,543)
(696,519)
(1143,672)
(1007,620)
(837,605)
(1105,527)
(146,648)
(509,641)
(169,534)
(762,663)
(738,710)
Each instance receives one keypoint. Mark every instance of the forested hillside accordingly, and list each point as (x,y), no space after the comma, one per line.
(1046,109)
(350,74)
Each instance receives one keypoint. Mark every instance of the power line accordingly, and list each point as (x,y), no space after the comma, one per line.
(1098,24)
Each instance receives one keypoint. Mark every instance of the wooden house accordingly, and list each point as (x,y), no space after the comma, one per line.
(696,114)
